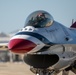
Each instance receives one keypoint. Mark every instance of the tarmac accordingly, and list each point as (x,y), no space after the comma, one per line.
(17,69)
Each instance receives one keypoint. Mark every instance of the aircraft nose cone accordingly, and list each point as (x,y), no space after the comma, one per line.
(21,45)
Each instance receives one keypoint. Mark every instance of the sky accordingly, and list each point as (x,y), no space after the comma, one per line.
(13,13)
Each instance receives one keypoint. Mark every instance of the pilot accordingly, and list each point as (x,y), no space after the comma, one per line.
(40,17)
(37,20)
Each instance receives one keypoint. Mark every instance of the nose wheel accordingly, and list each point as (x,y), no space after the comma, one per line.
(43,71)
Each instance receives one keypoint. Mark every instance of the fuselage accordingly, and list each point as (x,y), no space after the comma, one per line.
(50,38)
(40,37)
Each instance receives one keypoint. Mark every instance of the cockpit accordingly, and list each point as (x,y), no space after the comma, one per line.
(39,19)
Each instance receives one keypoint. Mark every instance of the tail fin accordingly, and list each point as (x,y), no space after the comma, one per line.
(73,25)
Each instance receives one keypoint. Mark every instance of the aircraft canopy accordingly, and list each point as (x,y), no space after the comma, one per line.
(39,19)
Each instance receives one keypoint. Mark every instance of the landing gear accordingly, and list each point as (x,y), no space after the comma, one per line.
(43,71)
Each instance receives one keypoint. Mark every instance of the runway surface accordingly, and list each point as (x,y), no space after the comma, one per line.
(17,69)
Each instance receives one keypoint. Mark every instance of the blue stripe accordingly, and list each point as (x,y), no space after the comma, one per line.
(38,36)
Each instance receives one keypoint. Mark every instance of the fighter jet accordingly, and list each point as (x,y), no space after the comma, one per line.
(48,46)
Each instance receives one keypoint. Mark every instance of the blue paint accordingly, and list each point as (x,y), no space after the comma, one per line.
(38,36)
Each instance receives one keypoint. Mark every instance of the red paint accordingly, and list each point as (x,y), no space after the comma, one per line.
(21,45)
(73,25)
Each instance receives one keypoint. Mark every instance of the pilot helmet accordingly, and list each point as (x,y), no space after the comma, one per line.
(41,16)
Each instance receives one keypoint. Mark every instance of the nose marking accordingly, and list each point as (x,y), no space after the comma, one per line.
(21,45)
(38,36)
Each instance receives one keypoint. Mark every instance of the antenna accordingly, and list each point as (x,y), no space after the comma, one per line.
(72,21)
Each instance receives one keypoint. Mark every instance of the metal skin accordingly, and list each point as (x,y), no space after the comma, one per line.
(55,42)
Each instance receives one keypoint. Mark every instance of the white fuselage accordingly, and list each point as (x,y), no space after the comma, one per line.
(60,39)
